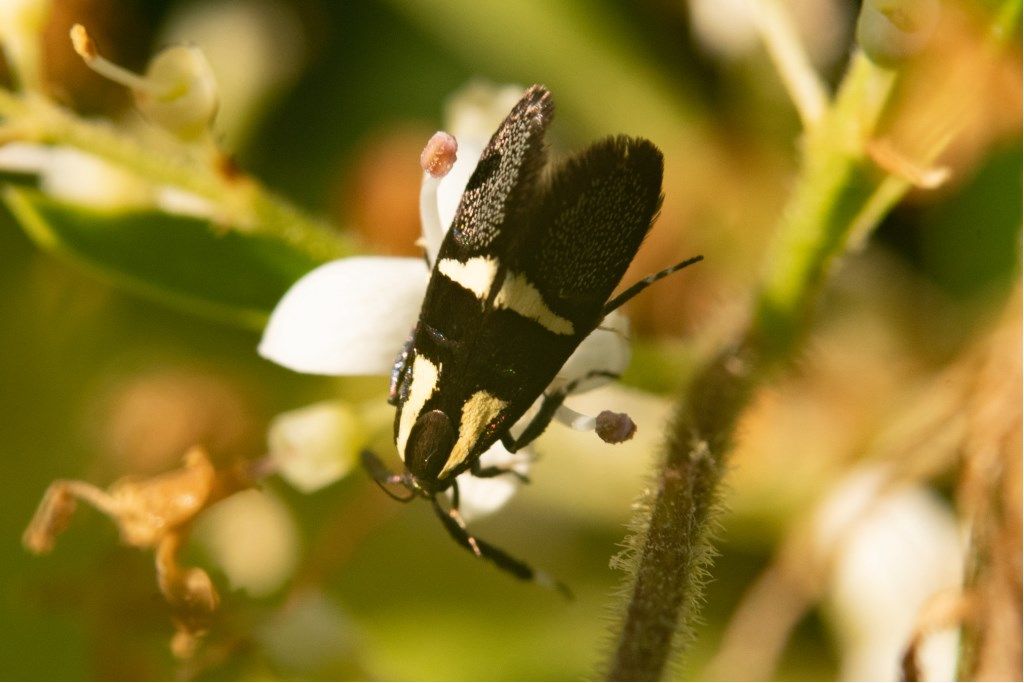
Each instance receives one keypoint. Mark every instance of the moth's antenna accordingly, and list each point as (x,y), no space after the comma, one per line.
(645,283)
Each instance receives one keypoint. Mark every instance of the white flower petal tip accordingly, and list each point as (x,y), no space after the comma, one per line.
(478,497)
(315,446)
(73,176)
(347,317)
(439,154)
(25,157)
(602,357)
(475,110)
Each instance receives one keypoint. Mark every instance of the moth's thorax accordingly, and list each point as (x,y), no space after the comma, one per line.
(487,344)
(442,427)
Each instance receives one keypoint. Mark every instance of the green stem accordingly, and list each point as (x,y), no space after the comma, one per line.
(837,180)
(240,202)
(839,198)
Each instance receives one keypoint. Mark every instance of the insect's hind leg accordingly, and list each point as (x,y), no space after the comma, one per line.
(456,528)
(645,283)
(481,472)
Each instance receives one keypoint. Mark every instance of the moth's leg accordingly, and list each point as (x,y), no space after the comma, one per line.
(536,426)
(548,407)
(645,283)
(385,478)
(478,470)
(455,495)
(456,528)
(399,368)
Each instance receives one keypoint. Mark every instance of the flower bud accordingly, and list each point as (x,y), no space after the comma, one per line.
(253,539)
(184,97)
(892,31)
(315,446)
(177,93)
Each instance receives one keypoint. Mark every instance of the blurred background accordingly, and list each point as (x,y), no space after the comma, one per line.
(912,367)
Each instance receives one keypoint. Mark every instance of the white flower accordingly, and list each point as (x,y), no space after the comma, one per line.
(728,28)
(352,316)
(253,539)
(178,91)
(71,175)
(315,446)
(896,548)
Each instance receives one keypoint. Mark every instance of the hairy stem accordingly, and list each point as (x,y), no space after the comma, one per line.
(836,181)
(677,548)
(840,196)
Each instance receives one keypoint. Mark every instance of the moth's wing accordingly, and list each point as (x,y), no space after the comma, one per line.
(503,185)
(592,215)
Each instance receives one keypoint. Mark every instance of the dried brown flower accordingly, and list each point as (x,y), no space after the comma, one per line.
(155,513)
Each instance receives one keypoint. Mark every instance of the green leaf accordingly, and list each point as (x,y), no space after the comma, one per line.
(181,261)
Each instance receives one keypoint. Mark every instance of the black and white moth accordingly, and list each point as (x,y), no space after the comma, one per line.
(523,276)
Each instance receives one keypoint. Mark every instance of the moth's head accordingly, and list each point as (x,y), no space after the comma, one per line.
(426,452)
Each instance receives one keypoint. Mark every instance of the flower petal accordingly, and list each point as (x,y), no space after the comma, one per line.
(481,497)
(81,178)
(606,350)
(347,317)
(450,188)
(891,550)
(25,157)
(253,538)
(317,445)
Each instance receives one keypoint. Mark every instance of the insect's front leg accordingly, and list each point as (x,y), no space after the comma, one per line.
(548,407)
(399,369)
(385,478)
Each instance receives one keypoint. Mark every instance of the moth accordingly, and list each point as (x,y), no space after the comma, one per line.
(524,274)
